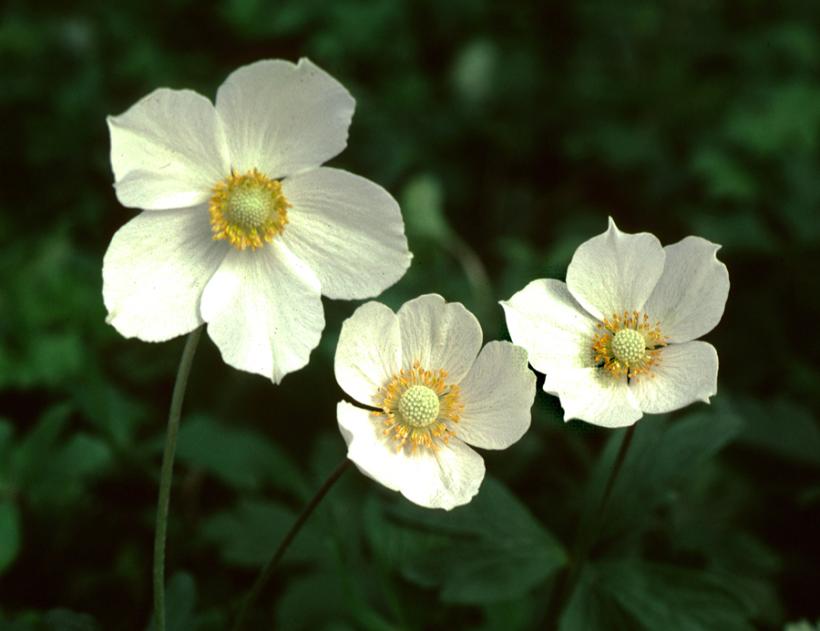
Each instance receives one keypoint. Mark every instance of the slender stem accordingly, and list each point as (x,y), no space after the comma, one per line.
(587,536)
(616,469)
(167,473)
(267,572)
(476,273)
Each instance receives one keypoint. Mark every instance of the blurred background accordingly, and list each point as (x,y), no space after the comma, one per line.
(508,132)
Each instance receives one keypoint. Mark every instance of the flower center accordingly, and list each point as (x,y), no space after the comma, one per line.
(419,408)
(627,344)
(248,210)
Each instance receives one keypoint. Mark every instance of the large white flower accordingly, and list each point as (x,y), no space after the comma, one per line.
(241,227)
(617,339)
(433,394)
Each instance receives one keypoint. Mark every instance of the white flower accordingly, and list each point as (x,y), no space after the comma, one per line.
(242,228)
(616,340)
(434,394)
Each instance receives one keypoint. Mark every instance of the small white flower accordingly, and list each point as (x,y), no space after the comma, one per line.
(242,228)
(616,340)
(433,394)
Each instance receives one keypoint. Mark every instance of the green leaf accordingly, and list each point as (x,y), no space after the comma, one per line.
(52,470)
(180,597)
(63,479)
(240,458)
(180,604)
(591,608)
(9,534)
(48,345)
(299,608)
(630,594)
(783,427)
(247,535)
(35,449)
(664,455)
(112,412)
(510,615)
(671,598)
(490,550)
(52,358)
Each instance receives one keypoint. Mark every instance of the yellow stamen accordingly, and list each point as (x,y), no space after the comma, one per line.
(628,344)
(418,408)
(248,210)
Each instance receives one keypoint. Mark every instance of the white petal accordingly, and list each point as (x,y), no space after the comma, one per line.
(348,229)
(497,393)
(615,272)
(264,311)
(555,330)
(686,373)
(592,395)
(155,270)
(439,335)
(167,150)
(282,118)
(691,294)
(369,351)
(445,478)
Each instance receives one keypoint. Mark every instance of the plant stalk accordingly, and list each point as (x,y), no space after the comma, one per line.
(587,536)
(167,474)
(268,571)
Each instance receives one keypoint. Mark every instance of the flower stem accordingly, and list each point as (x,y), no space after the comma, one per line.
(476,273)
(167,473)
(587,536)
(267,572)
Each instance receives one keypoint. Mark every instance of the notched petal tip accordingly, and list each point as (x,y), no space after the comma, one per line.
(615,271)
(707,398)
(306,61)
(611,225)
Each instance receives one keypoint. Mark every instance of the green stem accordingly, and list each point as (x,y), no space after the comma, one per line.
(267,572)
(476,274)
(587,536)
(167,473)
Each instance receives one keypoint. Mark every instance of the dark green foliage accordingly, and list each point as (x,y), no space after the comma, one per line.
(508,132)
(247,535)
(239,458)
(488,551)
(672,503)
(9,533)
(654,596)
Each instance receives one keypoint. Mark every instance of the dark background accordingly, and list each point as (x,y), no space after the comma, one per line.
(508,132)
